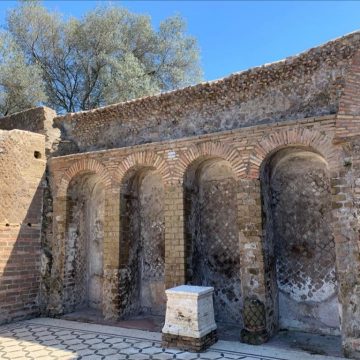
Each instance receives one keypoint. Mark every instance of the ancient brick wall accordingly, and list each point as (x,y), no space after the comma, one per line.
(40,120)
(22,158)
(248,184)
(221,224)
(263,283)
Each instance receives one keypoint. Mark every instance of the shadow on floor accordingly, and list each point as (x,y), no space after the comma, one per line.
(140,322)
(229,332)
(314,344)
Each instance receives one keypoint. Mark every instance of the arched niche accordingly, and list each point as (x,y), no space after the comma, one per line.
(212,234)
(83,266)
(299,246)
(142,247)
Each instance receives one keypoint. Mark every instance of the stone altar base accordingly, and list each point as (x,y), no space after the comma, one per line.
(189,323)
(189,343)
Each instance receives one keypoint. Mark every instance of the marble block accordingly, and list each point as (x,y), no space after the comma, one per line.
(189,315)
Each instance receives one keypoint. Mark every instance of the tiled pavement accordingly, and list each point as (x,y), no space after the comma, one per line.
(60,339)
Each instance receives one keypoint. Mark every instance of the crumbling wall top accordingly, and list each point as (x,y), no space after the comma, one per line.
(38,120)
(29,120)
(306,85)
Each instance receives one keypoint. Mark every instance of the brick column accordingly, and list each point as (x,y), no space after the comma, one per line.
(111,255)
(174,236)
(255,309)
(345,187)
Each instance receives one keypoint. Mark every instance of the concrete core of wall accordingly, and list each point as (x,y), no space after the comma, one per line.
(299,244)
(213,251)
(84,245)
(143,243)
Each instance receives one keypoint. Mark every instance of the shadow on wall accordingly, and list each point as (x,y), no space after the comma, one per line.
(22,159)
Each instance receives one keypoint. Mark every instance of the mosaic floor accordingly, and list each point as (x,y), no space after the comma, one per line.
(61,339)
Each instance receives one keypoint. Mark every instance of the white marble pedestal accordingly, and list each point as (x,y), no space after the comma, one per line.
(189,323)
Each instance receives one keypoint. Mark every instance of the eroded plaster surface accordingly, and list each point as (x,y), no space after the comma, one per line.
(299,228)
(143,238)
(84,246)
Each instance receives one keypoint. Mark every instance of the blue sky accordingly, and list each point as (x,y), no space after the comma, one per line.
(236,35)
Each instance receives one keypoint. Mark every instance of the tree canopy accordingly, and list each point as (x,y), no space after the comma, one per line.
(21,84)
(107,56)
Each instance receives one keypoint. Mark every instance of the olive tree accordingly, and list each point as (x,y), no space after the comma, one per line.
(21,84)
(107,56)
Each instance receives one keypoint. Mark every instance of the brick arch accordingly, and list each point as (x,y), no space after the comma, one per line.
(211,149)
(143,159)
(83,166)
(320,141)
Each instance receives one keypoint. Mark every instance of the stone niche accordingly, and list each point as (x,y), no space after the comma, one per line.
(142,286)
(299,244)
(83,285)
(212,244)
(189,323)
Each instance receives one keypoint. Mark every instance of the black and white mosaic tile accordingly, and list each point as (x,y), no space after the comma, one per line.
(44,339)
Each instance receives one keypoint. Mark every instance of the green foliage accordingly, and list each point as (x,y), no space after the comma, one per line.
(109,55)
(21,85)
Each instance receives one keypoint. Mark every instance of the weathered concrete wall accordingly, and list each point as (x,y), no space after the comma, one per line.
(298,225)
(83,285)
(152,258)
(143,247)
(21,174)
(310,84)
(38,120)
